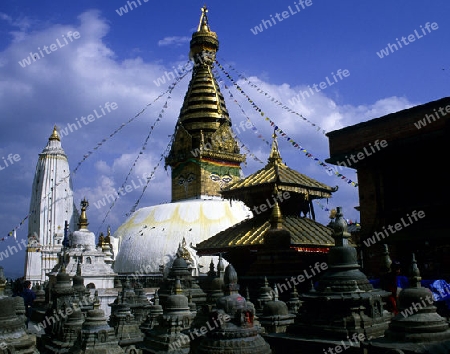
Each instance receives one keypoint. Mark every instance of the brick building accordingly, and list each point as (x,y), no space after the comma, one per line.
(401,162)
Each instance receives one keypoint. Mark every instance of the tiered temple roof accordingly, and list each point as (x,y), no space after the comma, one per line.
(274,184)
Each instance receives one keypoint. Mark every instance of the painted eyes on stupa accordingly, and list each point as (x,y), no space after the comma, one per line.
(182,180)
(190,177)
(217,178)
(226,179)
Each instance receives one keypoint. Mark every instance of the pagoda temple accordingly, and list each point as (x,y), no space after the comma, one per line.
(280,198)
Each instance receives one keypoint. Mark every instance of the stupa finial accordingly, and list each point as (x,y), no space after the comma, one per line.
(55,135)
(83,221)
(203,25)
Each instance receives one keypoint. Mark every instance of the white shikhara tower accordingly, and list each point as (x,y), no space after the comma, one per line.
(51,206)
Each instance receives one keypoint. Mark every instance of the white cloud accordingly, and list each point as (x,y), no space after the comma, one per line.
(75,80)
(173,41)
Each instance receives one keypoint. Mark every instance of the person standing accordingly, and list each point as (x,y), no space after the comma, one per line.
(28,298)
(389,283)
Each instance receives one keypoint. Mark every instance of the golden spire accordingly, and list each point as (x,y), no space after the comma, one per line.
(83,221)
(203,41)
(203,25)
(55,135)
(204,125)
(274,152)
(276,219)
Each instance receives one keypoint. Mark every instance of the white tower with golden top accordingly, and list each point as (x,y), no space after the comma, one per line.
(50,207)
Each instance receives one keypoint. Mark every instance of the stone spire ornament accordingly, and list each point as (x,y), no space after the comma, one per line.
(344,304)
(13,338)
(276,316)
(231,328)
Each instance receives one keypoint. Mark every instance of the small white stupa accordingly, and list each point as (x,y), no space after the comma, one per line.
(79,249)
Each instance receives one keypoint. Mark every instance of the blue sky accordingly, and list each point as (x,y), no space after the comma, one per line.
(119,58)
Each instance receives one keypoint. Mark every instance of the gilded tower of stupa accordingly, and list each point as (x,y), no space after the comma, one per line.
(204,155)
(204,158)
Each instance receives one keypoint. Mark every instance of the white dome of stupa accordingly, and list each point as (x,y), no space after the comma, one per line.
(150,237)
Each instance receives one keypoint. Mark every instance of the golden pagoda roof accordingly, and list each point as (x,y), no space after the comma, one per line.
(285,178)
(304,232)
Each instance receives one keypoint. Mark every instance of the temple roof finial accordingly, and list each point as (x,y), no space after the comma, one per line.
(55,135)
(274,152)
(276,218)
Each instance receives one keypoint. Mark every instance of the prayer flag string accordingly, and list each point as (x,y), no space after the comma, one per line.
(169,89)
(252,125)
(274,100)
(144,146)
(163,155)
(283,133)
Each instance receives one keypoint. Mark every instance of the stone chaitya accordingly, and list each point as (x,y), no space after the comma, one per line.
(141,305)
(64,317)
(417,328)
(344,301)
(13,338)
(166,332)
(125,324)
(96,336)
(342,309)
(275,317)
(181,271)
(231,328)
